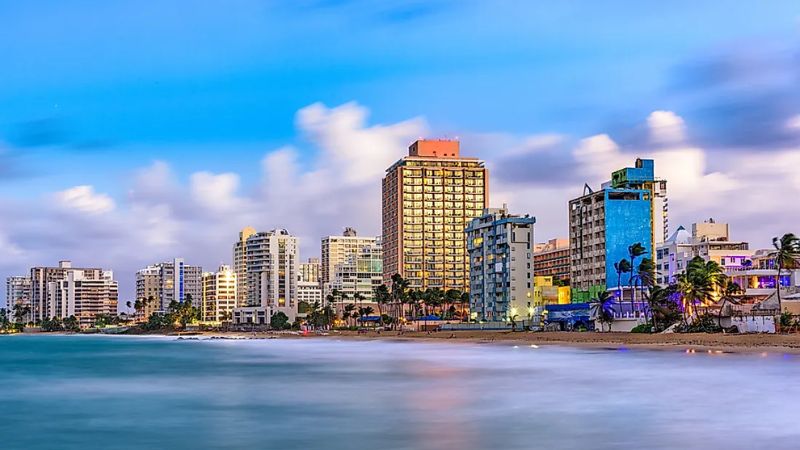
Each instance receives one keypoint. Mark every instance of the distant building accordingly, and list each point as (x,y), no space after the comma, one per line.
(309,293)
(148,290)
(272,264)
(18,292)
(351,265)
(42,306)
(219,294)
(500,250)
(83,294)
(551,259)
(630,209)
(174,280)
(240,264)
(709,240)
(429,197)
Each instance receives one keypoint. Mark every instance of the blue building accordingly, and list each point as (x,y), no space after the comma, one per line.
(605,223)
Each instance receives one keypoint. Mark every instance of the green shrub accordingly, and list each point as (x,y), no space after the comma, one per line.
(642,328)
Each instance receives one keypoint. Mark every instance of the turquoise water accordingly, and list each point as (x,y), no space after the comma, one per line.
(85,392)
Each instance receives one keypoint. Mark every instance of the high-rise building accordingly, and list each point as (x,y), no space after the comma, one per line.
(83,294)
(709,240)
(240,264)
(309,282)
(501,265)
(429,197)
(148,290)
(551,259)
(603,224)
(219,294)
(175,280)
(351,264)
(272,264)
(41,277)
(18,292)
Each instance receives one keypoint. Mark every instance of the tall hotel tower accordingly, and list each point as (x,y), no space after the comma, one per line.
(429,198)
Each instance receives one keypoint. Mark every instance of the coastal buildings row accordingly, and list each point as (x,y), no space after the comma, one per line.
(63,291)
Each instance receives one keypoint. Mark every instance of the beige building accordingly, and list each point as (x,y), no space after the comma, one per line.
(41,279)
(429,198)
(219,294)
(310,271)
(148,288)
(175,280)
(240,264)
(83,294)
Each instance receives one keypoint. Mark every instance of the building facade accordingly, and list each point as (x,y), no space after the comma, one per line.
(708,240)
(429,198)
(219,294)
(272,265)
(240,264)
(18,292)
(551,259)
(310,271)
(604,224)
(352,265)
(83,294)
(173,280)
(41,279)
(500,250)
(148,290)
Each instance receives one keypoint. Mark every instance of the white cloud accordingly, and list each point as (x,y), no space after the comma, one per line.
(83,199)
(666,127)
(793,124)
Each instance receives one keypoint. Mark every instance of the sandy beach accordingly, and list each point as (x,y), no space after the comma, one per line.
(735,343)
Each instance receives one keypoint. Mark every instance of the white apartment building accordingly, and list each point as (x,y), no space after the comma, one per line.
(18,291)
(240,264)
(219,294)
(352,264)
(272,264)
(41,277)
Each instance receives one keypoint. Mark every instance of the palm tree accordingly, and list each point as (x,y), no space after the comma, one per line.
(699,283)
(348,311)
(21,311)
(729,292)
(656,297)
(786,256)
(452,297)
(602,308)
(382,297)
(634,251)
(646,274)
(513,320)
(623,266)
(399,294)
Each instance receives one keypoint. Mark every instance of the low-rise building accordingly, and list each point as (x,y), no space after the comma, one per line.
(546,292)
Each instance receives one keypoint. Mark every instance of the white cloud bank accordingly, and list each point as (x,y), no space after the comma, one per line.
(341,186)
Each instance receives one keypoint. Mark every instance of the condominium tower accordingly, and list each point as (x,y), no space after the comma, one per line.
(240,264)
(18,292)
(501,265)
(551,259)
(219,294)
(429,198)
(352,264)
(41,279)
(171,280)
(272,264)
(83,294)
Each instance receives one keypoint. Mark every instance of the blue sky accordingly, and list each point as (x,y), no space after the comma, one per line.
(92,93)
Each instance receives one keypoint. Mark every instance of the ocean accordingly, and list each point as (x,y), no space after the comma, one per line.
(121,392)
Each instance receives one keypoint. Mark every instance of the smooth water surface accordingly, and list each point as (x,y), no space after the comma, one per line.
(85,392)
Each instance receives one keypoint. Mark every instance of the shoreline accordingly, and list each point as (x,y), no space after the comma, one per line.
(694,342)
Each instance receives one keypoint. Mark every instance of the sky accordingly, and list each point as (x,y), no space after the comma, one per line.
(132,134)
